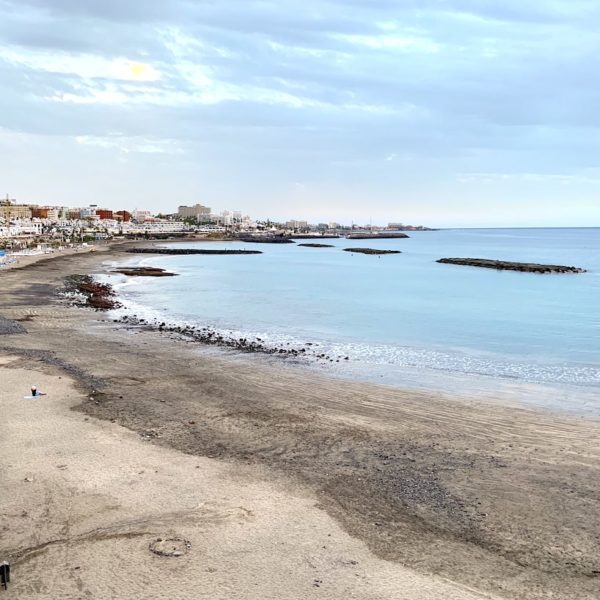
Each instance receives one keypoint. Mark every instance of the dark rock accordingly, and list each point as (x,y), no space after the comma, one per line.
(144,272)
(376,236)
(267,239)
(89,292)
(184,251)
(371,251)
(503,265)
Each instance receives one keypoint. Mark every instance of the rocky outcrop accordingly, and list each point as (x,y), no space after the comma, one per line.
(212,337)
(376,236)
(371,251)
(144,272)
(83,290)
(316,245)
(182,251)
(504,265)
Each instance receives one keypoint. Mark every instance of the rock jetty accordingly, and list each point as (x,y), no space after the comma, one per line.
(376,236)
(504,265)
(300,236)
(181,251)
(144,272)
(371,251)
(267,239)
(316,245)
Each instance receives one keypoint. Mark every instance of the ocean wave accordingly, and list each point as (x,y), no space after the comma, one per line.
(365,357)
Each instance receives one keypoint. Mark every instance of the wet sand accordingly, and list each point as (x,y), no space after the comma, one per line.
(499,499)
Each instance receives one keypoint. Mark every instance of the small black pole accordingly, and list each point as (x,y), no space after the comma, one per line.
(4,574)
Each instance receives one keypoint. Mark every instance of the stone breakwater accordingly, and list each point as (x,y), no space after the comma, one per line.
(371,251)
(144,272)
(504,265)
(184,251)
(313,237)
(212,337)
(376,236)
(84,291)
(316,245)
(268,239)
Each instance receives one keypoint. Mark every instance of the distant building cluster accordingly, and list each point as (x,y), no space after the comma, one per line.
(203,215)
(22,221)
(19,222)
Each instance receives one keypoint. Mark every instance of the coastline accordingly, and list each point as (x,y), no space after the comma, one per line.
(564,388)
(468,491)
(19,261)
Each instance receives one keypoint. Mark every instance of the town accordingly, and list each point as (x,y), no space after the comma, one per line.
(24,227)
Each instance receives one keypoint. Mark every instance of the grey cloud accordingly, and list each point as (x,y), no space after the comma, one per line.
(504,85)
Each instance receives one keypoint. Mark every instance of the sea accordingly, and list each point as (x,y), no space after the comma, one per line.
(402,319)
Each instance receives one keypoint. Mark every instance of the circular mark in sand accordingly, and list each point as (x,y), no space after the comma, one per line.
(170,547)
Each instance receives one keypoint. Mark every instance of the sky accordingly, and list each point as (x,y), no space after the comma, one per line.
(437,112)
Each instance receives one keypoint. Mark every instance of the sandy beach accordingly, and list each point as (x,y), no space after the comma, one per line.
(17,261)
(277,483)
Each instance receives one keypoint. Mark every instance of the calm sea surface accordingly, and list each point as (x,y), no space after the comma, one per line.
(405,319)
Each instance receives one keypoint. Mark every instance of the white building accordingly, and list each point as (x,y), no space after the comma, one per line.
(155,226)
(141,215)
(296,224)
(88,212)
(198,211)
(21,228)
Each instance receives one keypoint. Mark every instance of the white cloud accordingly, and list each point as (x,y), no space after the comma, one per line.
(553,178)
(391,42)
(85,66)
(128,144)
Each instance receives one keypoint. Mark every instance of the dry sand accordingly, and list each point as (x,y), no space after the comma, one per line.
(18,261)
(418,489)
(83,500)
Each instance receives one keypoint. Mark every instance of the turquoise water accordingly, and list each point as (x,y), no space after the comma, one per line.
(399,313)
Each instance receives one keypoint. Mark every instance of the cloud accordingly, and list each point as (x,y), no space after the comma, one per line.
(419,96)
(129,144)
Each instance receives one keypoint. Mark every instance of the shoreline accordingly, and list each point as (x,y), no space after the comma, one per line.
(468,491)
(310,358)
(20,261)
(578,398)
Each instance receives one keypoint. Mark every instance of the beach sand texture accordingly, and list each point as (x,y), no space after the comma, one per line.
(84,499)
(300,476)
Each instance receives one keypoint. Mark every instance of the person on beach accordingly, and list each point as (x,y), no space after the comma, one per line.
(35,393)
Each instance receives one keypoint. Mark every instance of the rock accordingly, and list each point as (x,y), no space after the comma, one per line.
(144,272)
(184,251)
(503,265)
(267,239)
(376,236)
(371,251)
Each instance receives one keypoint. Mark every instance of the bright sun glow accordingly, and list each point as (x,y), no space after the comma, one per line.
(137,71)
